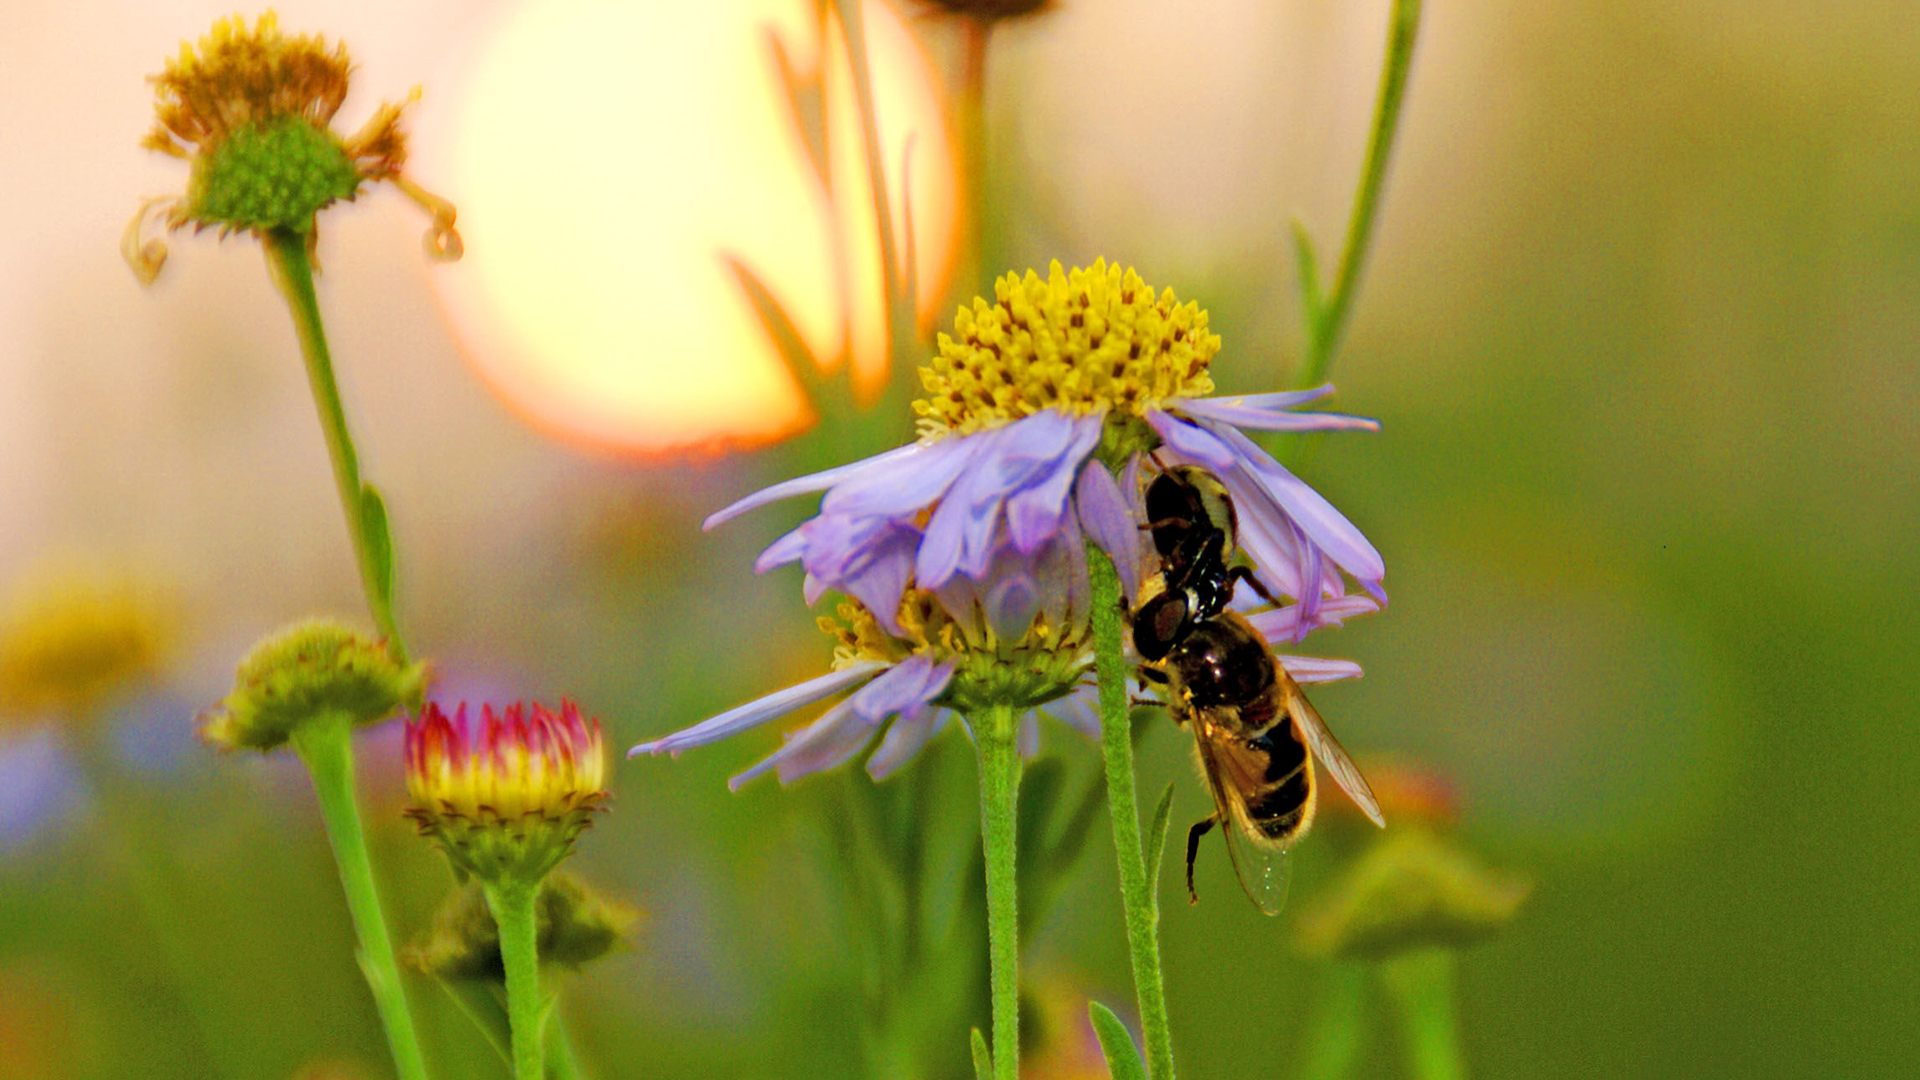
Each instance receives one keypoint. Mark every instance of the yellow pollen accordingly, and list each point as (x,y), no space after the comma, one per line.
(1081,341)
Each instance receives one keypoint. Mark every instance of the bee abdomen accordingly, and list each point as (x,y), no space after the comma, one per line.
(1281,810)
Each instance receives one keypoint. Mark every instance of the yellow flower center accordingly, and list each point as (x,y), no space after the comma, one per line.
(1093,339)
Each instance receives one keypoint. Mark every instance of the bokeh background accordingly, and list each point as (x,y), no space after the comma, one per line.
(1639,326)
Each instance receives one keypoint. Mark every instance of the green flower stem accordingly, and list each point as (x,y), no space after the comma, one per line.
(512,907)
(1138,896)
(899,307)
(1422,988)
(561,1063)
(292,274)
(325,746)
(1337,1025)
(1327,320)
(994,736)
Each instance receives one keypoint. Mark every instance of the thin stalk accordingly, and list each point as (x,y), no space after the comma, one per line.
(1327,322)
(325,746)
(1422,987)
(1337,1024)
(561,1062)
(993,735)
(292,274)
(853,30)
(1139,897)
(512,907)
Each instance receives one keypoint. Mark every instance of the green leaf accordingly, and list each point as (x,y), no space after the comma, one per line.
(1116,1042)
(982,1057)
(1157,838)
(1310,298)
(379,542)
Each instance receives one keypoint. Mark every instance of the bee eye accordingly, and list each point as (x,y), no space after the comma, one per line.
(1159,625)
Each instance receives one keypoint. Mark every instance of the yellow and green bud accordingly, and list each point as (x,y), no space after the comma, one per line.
(308,672)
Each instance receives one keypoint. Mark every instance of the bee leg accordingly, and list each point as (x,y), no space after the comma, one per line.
(1244,573)
(1153,675)
(1200,829)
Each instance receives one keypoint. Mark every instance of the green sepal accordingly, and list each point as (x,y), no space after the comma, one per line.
(573,926)
(982,1057)
(310,671)
(1157,838)
(1116,1044)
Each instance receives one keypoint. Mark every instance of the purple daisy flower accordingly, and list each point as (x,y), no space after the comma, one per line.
(965,551)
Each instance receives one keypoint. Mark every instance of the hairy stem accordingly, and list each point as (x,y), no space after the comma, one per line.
(1327,323)
(325,745)
(512,907)
(1139,897)
(292,274)
(994,736)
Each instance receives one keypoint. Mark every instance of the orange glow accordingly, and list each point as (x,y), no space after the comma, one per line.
(606,154)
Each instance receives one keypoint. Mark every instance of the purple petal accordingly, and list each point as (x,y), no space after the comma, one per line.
(1109,523)
(828,741)
(783,551)
(1316,517)
(1035,510)
(1077,711)
(1284,623)
(905,738)
(1011,603)
(1191,441)
(761,710)
(913,682)
(1241,416)
(960,535)
(800,485)
(1316,669)
(1277,399)
(902,486)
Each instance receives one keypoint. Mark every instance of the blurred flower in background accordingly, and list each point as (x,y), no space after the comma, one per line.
(71,637)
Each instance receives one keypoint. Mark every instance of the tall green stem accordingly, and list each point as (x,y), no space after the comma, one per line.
(1327,320)
(512,906)
(325,745)
(292,273)
(1421,985)
(994,736)
(1139,897)
(1337,1024)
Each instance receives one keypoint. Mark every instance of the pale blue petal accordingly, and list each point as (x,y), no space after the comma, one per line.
(1034,512)
(1077,710)
(760,711)
(1106,520)
(907,736)
(901,487)
(1011,603)
(1241,416)
(783,551)
(1189,440)
(1316,669)
(835,737)
(1276,399)
(800,485)
(1285,623)
(1325,526)
(913,682)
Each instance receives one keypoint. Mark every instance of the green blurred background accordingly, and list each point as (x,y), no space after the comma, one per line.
(1639,327)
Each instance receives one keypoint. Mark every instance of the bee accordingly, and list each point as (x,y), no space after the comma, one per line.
(1256,736)
(1255,732)
(1193,525)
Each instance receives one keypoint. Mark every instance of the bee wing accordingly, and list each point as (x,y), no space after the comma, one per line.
(1327,749)
(1265,871)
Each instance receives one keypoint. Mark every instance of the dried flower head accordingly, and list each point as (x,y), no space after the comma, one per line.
(505,797)
(251,109)
(315,670)
(71,639)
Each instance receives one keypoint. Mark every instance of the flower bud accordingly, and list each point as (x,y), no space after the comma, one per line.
(306,671)
(507,797)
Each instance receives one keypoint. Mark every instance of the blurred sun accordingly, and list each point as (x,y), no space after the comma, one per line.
(605,155)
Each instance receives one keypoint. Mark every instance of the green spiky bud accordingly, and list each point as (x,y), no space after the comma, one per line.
(309,670)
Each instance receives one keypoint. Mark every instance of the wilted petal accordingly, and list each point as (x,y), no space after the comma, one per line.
(761,710)
(1316,669)
(1190,441)
(800,485)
